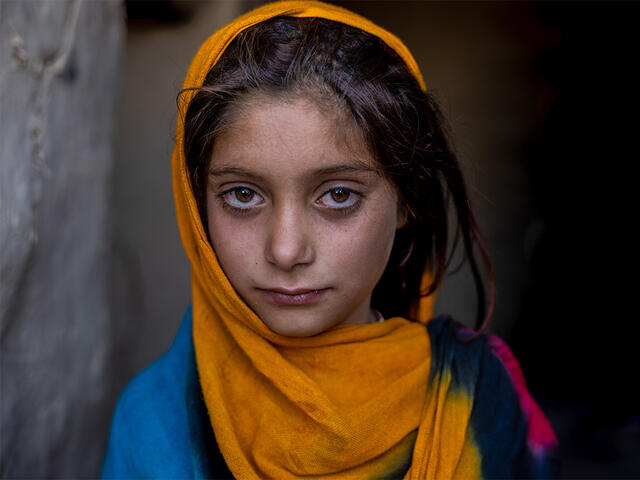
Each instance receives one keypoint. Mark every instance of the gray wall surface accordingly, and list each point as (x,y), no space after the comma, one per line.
(59,76)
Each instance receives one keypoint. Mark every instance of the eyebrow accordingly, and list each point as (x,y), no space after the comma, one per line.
(355,167)
(345,168)
(231,170)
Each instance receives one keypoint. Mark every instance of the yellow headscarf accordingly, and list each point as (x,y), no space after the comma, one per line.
(351,402)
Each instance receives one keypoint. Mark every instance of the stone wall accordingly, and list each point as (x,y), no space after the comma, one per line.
(59,79)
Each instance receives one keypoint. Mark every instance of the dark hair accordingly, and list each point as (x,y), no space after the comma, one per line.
(345,67)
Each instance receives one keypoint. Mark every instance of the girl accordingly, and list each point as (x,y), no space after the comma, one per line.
(311,176)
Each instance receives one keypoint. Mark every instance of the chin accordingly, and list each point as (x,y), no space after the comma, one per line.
(298,326)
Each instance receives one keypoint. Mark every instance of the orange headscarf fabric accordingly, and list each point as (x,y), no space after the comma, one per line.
(351,402)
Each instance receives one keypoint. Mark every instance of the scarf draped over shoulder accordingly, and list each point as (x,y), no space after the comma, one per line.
(356,401)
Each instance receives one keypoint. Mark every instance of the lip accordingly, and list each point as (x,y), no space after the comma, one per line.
(296,296)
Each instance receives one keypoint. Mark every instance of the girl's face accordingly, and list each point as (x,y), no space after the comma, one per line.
(300,220)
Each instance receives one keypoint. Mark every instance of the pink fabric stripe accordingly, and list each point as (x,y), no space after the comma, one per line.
(540,434)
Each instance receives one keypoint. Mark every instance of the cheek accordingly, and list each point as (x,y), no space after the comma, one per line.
(364,247)
(234,243)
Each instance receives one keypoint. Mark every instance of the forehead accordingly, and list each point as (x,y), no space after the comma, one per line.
(288,136)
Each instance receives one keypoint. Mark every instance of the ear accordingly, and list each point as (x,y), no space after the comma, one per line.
(403,216)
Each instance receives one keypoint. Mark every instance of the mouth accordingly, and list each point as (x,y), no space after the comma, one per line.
(298,296)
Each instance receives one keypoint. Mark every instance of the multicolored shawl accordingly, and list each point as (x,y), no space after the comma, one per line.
(507,435)
(161,427)
(355,401)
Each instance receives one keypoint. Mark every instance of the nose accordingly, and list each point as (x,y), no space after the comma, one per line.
(289,243)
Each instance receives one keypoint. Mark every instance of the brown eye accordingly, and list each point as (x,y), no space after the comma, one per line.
(244,194)
(241,198)
(340,195)
(340,199)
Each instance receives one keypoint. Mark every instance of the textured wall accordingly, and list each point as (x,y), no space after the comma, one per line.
(59,76)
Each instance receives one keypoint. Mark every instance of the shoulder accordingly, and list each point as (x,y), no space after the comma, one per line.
(149,434)
(518,421)
(512,433)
